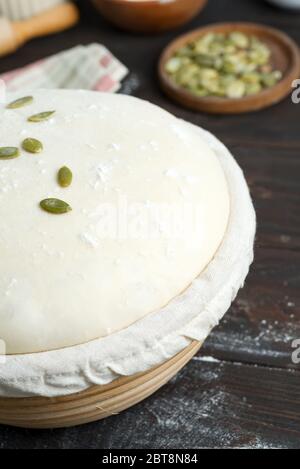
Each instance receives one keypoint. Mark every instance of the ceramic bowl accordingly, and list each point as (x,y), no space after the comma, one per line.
(149,16)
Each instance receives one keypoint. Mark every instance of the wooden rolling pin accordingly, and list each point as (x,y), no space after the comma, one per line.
(14,34)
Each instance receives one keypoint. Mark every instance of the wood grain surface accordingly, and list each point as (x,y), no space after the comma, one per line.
(248,395)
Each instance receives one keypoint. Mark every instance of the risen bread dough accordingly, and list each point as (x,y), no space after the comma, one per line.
(68,279)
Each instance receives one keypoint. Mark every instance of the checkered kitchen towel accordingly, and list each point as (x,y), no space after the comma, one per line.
(90,67)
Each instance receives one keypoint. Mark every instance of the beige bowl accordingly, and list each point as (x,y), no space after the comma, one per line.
(149,16)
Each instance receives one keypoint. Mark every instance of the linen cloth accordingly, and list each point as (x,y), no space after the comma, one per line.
(91,67)
(160,335)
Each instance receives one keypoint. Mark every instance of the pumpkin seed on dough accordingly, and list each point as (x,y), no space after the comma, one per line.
(9,153)
(31,145)
(65,177)
(42,116)
(55,206)
(21,102)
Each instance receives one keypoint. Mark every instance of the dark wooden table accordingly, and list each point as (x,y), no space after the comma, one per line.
(242,390)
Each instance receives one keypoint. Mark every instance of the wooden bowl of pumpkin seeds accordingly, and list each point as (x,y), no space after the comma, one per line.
(230,68)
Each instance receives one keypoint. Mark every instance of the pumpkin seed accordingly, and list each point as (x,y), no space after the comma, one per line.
(55,206)
(185,52)
(8,153)
(31,145)
(42,116)
(239,39)
(173,65)
(201,92)
(225,65)
(205,60)
(236,89)
(253,88)
(270,79)
(20,102)
(65,177)
(251,78)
